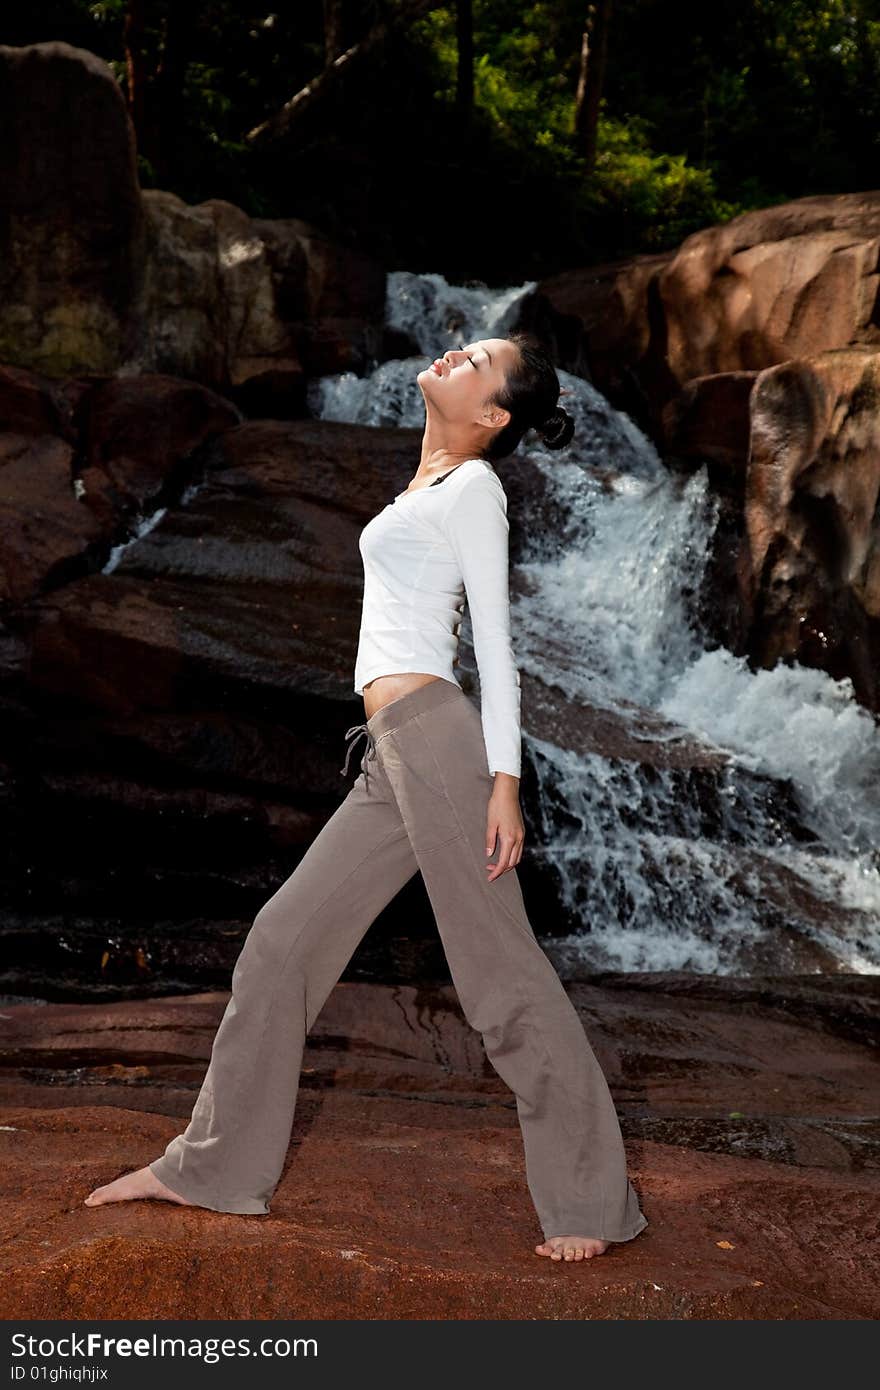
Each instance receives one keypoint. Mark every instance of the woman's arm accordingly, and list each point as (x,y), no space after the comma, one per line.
(477,529)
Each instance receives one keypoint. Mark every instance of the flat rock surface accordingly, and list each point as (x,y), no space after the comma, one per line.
(749,1111)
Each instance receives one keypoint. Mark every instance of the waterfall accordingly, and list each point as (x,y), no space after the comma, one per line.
(141,524)
(760,854)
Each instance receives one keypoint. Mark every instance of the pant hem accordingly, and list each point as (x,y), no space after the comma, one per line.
(243,1206)
(573,1227)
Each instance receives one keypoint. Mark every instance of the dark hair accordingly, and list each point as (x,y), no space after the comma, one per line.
(530,392)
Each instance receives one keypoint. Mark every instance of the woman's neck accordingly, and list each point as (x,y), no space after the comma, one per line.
(441,460)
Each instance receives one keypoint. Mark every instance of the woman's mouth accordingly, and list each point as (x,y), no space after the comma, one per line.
(437,367)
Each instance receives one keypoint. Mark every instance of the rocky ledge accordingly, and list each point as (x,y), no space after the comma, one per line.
(749,1110)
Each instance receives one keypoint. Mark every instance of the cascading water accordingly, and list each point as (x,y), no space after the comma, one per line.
(764,858)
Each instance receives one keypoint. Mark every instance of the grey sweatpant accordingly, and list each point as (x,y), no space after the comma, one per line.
(419,803)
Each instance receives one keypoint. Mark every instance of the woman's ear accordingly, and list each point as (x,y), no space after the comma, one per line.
(495,416)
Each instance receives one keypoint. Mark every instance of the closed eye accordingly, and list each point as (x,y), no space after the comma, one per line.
(470,359)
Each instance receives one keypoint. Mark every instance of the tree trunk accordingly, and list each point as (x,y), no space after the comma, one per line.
(334,24)
(135,68)
(594,53)
(170,77)
(464,77)
(283,122)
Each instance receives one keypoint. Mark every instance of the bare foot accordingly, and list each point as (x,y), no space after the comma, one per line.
(572,1247)
(143,1183)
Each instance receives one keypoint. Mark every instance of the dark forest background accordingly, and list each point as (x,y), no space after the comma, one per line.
(490,138)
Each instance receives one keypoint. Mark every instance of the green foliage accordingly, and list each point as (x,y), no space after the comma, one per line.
(636,197)
(653,200)
(517,86)
(778,98)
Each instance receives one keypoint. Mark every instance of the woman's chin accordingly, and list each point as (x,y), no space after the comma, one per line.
(423,380)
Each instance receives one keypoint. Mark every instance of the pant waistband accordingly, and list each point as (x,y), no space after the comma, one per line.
(419,701)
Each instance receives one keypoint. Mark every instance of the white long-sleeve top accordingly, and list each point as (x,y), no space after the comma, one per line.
(426,554)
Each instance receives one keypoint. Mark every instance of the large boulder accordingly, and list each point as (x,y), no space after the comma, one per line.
(253,306)
(795,452)
(173,715)
(82,460)
(812,507)
(779,282)
(71,220)
(98,277)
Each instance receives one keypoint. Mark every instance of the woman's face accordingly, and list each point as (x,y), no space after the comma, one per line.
(458,385)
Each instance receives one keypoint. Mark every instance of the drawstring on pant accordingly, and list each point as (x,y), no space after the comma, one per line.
(353,733)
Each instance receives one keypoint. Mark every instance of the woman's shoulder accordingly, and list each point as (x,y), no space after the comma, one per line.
(474,475)
(479,500)
(479,471)
(485,467)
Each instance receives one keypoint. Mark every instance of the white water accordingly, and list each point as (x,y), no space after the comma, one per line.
(142,525)
(767,860)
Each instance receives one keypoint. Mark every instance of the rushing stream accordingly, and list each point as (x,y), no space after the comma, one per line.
(605,611)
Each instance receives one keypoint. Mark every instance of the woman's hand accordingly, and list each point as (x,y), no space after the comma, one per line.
(505,824)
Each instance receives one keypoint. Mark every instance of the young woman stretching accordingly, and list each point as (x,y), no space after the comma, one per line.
(438,791)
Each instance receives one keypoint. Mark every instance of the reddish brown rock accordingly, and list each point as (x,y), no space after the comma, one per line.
(795,452)
(32,404)
(811,516)
(137,431)
(775,283)
(79,460)
(253,580)
(743,1106)
(597,322)
(192,700)
(708,422)
(44,530)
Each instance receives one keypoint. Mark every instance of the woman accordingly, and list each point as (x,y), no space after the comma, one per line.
(438,792)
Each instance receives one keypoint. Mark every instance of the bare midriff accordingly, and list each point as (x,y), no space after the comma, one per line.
(381,690)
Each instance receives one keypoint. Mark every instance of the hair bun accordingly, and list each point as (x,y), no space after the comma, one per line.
(557,429)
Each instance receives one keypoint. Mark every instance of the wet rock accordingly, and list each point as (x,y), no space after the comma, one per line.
(708,422)
(174,725)
(793,451)
(251,586)
(137,439)
(81,461)
(44,531)
(811,513)
(174,720)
